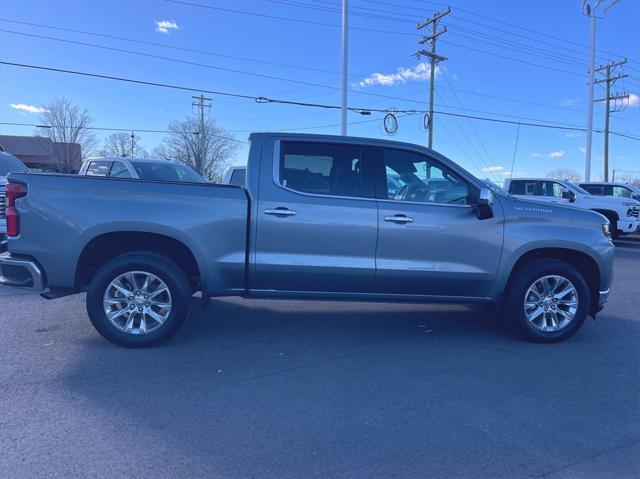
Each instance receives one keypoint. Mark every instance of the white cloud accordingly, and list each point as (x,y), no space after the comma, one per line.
(535,155)
(163,26)
(621,157)
(492,169)
(27,108)
(570,101)
(634,100)
(420,72)
(582,149)
(556,154)
(573,134)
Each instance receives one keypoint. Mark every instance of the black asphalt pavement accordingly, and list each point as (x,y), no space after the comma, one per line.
(291,389)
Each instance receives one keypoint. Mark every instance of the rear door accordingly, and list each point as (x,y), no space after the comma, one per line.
(430,240)
(316,218)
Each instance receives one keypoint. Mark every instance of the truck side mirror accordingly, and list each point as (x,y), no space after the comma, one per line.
(485,204)
(569,195)
(636,196)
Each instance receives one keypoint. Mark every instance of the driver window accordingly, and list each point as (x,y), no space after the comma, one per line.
(414,177)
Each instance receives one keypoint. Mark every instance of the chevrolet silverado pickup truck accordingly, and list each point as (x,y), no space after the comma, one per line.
(317,218)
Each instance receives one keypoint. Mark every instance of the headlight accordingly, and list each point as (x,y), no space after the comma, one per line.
(605,229)
(629,203)
(630,212)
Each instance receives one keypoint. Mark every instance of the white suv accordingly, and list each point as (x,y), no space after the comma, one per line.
(622,213)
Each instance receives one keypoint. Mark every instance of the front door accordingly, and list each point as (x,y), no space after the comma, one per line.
(431,241)
(316,219)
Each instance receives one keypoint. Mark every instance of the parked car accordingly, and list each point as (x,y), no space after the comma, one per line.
(315,219)
(622,213)
(620,190)
(139,168)
(8,164)
(235,175)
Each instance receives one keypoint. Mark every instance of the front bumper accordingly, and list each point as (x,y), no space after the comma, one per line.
(20,272)
(627,226)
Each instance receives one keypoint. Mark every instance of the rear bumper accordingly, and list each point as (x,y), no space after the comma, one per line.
(21,273)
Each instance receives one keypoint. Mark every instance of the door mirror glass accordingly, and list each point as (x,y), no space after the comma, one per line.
(485,204)
(485,197)
(569,195)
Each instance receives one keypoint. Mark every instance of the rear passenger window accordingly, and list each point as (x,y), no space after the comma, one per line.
(323,169)
(594,189)
(119,170)
(238,177)
(99,168)
(522,187)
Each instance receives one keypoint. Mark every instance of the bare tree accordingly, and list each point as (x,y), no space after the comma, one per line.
(122,144)
(66,123)
(208,152)
(565,174)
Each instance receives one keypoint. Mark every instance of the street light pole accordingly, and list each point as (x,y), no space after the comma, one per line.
(345,66)
(592,65)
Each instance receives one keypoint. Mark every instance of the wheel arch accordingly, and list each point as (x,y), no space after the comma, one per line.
(584,263)
(104,247)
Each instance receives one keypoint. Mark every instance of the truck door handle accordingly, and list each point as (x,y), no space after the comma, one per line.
(399,219)
(279,212)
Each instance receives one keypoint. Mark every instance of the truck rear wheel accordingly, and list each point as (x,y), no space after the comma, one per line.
(548,301)
(138,299)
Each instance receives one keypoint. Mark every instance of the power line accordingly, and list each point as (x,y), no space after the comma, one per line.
(260,99)
(164,45)
(102,128)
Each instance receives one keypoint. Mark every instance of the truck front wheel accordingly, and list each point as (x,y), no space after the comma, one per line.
(547,301)
(138,299)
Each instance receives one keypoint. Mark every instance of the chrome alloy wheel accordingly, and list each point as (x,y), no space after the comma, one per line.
(550,303)
(137,302)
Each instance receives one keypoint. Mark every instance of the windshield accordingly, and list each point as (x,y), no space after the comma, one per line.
(579,189)
(10,164)
(148,170)
(495,188)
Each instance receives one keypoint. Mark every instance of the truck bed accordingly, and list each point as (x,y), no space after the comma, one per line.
(74,212)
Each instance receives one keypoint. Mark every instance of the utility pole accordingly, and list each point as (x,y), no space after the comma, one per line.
(345,66)
(201,102)
(434,58)
(133,144)
(609,80)
(589,9)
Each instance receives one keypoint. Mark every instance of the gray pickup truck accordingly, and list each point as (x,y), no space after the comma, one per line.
(326,217)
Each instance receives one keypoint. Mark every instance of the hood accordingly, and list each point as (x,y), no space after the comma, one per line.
(610,200)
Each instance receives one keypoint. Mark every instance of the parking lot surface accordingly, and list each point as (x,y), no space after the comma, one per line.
(283,389)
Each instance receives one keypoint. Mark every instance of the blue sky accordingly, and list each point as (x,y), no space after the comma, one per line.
(509,60)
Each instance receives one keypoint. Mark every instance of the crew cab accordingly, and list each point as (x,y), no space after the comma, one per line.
(317,218)
(622,213)
(619,190)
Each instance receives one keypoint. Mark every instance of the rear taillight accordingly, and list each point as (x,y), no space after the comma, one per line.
(13,192)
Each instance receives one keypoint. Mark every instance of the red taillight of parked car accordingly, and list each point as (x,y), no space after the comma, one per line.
(13,192)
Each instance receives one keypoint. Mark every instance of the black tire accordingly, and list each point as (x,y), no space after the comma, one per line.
(523,278)
(165,269)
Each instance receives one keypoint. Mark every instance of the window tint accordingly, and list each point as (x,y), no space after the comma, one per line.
(149,170)
(551,188)
(415,177)
(238,177)
(99,168)
(119,170)
(621,192)
(522,187)
(594,189)
(10,164)
(323,168)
